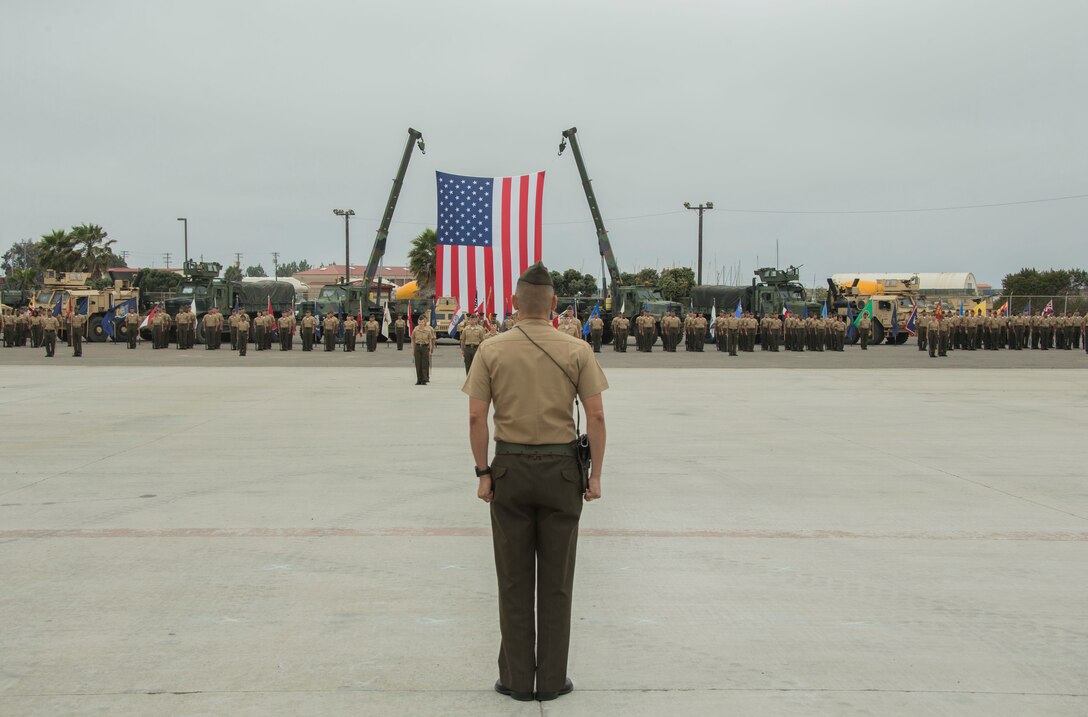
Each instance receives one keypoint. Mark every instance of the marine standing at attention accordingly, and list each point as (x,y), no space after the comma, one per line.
(309,325)
(372,328)
(472,335)
(621,326)
(329,328)
(423,341)
(242,332)
(400,330)
(50,324)
(79,326)
(132,327)
(534,485)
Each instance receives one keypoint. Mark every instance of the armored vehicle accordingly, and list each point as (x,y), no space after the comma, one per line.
(204,289)
(893,300)
(69,289)
(771,291)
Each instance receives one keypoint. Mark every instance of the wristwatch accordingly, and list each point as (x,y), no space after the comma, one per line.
(481,472)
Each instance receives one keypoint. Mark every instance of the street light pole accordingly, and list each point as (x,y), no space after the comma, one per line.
(346,213)
(185,224)
(700,208)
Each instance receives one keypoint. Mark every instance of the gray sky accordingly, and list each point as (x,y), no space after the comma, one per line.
(256,119)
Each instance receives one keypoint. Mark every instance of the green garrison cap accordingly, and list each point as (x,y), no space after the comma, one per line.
(537,274)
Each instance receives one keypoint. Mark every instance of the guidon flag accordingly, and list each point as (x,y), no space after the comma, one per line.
(489,232)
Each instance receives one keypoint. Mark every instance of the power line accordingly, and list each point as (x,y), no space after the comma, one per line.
(742,210)
(904,211)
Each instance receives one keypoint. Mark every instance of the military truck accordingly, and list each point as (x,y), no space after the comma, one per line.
(771,290)
(70,288)
(204,288)
(891,298)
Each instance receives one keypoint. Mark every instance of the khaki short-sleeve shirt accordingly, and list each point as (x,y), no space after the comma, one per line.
(533,401)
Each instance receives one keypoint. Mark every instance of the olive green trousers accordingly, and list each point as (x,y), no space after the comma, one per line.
(534,528)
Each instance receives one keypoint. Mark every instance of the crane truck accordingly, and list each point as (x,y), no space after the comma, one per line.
(615,298)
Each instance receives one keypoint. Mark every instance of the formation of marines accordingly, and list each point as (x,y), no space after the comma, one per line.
(730,334)
(1040,331)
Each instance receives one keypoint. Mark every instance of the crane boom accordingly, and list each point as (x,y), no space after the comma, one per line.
(603,243)
(415,138)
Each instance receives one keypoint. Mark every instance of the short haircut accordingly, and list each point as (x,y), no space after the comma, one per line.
(535,298)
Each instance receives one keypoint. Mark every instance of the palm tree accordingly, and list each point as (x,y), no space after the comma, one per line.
(421,258)
(95,248)
(58,251)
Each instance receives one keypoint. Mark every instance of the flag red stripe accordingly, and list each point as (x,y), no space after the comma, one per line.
(523,223)
(538,236)
(472,291)
(438,257)
(455,284)
(489,277)
(506,272)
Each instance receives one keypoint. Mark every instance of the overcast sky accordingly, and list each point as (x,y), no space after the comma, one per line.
(256,119)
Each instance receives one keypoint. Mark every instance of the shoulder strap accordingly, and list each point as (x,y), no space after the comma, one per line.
(578,428)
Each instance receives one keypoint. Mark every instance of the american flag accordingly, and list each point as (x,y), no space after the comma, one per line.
(489,232)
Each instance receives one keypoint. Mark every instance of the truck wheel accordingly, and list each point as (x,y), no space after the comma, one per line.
(878,332)
(198,334)
(901,338)
(120,332)
(853,339)
(95,332)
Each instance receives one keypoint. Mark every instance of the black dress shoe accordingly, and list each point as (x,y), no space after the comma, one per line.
(519,696)
(568,687)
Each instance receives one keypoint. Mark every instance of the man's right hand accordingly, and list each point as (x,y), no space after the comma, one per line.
(593,492)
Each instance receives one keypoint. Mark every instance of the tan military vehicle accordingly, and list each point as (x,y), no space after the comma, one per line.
(891,298)
(69,289)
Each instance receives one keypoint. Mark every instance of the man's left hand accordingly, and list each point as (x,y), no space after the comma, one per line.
(485,492)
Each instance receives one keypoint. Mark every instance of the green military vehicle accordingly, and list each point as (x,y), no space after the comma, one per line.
(771,290)
(204,288)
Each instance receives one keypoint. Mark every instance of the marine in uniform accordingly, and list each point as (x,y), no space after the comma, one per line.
(865,327)
(570,325)
(132,327)
(309,326)
(372,329)
(50,324)
(621,326)
(351,327)
(286,325)
(472,335)
(400,330)
(534,484)
(242,328)
(423,342)
(596,332)
(78,332)
(35,329)
(329,328)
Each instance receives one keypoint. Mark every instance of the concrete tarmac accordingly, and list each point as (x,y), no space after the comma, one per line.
(448,355)
(201,540)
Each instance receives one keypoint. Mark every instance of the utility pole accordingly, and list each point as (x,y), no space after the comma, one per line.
(347,214)
(124,255)
(238,260)
(700,208)
(276,264)
(185,223)
(166,258)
